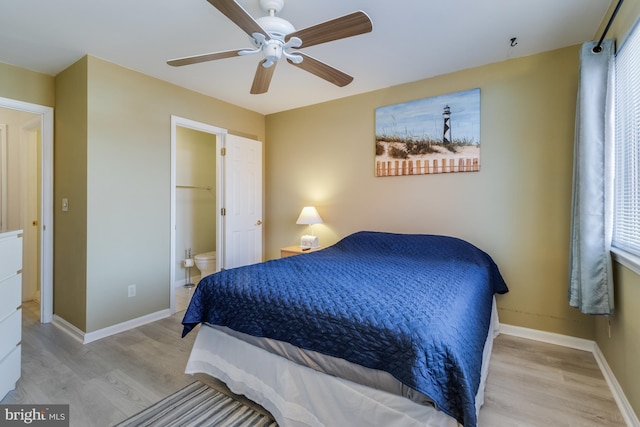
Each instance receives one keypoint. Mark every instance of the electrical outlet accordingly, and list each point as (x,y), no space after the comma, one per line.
(131,291)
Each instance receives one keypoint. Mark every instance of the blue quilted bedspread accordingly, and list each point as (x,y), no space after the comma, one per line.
(416,306)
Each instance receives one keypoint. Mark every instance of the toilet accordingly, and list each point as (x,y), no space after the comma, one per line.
(206,263)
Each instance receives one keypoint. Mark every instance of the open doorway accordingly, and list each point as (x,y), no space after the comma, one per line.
(29,194)
(238,195)
(194,197)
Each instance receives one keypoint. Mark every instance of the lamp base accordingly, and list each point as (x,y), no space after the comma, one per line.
(308,241)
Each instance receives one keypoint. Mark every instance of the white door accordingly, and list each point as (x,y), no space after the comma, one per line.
(242,168)
(29,147)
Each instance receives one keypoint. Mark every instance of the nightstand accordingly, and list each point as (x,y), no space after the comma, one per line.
(295,250)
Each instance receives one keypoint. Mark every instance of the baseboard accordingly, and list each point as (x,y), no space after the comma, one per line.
(548,337)
(179,283)
(627,411)
(87,337)
(67,327)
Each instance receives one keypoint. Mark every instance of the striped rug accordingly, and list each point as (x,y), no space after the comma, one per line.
(199,405)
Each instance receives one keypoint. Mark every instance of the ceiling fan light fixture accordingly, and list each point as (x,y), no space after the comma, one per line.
(272,52)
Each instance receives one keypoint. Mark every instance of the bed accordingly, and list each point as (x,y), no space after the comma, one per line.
(378,329)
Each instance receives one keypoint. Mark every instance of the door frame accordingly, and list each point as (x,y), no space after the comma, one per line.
(220,133)
(46,201)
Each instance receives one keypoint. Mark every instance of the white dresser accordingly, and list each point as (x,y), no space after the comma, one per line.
(10,312)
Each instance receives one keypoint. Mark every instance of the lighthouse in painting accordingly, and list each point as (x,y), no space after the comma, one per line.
(446,135)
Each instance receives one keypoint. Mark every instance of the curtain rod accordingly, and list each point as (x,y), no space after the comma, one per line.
(598,47)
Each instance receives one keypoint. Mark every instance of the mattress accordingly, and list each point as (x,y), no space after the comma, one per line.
(299,395)
(417,307)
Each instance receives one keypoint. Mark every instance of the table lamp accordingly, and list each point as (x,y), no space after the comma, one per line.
(309,216)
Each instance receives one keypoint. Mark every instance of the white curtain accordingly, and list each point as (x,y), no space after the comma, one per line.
(590,276)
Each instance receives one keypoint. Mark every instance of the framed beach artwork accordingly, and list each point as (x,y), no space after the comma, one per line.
(433,135)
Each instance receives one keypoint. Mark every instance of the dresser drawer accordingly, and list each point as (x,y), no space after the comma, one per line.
(11,256)
(10,331)
(11,291)
(10,371)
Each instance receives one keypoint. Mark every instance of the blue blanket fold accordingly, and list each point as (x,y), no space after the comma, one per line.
(416,306)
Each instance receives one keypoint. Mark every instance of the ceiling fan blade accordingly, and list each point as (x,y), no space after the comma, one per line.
(238,16)
(262,79)
(349,25)
(322,70)
(187,60)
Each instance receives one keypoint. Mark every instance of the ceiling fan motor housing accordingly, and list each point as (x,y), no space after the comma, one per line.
(277,27)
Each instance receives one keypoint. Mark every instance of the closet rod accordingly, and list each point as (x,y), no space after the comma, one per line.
(598,47)
(208,187)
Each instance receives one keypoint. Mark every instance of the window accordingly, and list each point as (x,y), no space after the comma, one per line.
(626,231)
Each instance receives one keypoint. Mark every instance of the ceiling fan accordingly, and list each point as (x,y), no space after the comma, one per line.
(276,37)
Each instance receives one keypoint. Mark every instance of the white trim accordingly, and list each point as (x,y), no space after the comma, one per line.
(548,337)
(125,326)
(46,274)
(87,337)
(629,260)
(67,327)
(629,415)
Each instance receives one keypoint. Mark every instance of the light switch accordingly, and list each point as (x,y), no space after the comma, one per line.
(65,204)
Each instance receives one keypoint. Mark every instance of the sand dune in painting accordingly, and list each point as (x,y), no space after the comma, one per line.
(464,159)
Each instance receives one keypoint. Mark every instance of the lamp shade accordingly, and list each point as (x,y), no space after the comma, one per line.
(308,216)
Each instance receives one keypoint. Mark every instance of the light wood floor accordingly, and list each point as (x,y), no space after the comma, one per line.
(529,384)
(183,296)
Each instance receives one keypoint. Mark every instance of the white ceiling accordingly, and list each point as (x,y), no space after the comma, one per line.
(411,40)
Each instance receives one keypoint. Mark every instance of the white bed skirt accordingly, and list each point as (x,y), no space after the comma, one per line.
(299,396)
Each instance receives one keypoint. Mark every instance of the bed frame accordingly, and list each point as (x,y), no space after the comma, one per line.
(297,395)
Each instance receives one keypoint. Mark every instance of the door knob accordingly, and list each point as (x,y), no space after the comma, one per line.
(259,222)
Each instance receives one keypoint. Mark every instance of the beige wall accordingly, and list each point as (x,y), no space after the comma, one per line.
(128,186)
(70,181)
(622,348)
(28,86)
(517,207)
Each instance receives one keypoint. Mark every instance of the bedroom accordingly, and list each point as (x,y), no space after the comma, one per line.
(517,208)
